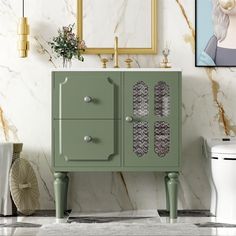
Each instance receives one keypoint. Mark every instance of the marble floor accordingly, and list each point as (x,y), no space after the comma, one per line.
(41,225)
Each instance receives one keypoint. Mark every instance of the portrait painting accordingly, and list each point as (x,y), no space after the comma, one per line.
(215,33)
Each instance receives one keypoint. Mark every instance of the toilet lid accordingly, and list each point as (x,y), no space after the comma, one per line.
(222,146)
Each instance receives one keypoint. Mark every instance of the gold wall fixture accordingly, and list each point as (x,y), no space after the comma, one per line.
(23,32)
(150,50)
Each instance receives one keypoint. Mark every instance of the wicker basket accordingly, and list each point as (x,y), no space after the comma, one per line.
(17,148)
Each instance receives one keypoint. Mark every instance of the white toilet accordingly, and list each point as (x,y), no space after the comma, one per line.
(221,154)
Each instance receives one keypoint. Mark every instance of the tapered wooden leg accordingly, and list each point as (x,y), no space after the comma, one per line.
(167,193)
(173,194)
(66,192)
(60,190)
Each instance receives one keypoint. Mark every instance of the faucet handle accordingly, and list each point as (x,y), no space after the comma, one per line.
(128,61)
(104,62)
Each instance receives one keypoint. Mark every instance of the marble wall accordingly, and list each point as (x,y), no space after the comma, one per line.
(25,114)
(117,18)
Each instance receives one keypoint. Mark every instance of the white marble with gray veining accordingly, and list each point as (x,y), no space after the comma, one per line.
(121,18)
(25,107)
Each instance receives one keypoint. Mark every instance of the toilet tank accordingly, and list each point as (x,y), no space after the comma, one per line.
(220,148)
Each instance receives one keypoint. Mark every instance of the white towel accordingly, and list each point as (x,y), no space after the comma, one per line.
(6,152)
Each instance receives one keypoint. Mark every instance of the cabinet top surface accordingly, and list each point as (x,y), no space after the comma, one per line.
(118,69)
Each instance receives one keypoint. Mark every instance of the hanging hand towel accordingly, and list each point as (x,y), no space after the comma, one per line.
(6,152)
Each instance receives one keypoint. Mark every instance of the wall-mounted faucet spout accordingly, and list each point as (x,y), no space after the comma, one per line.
(116,65)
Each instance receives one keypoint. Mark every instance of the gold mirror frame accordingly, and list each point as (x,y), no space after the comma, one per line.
(151,50)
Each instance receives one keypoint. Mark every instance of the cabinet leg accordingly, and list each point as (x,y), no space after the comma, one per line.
(167,193)
(66,191)
(173,194)
(60,190)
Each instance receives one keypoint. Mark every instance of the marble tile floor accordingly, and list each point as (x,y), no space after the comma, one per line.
(48,225)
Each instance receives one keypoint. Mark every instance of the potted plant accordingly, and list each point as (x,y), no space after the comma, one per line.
(67,45)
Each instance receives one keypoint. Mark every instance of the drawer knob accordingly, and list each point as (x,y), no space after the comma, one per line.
(87,99)
(129,119)
(87,139)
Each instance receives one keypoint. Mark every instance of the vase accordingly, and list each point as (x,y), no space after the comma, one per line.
(66,62)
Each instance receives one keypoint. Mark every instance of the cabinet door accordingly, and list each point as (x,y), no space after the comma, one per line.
(86,95)
(151,119)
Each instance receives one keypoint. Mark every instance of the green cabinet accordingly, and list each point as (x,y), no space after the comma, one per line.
(116,120)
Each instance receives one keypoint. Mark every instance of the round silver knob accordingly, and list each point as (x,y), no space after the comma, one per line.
(87,139)
(87,99)
(129,119)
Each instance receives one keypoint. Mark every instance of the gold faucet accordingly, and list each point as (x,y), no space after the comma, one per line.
(116,65)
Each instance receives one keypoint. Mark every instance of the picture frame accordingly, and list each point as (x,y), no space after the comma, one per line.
(213,47)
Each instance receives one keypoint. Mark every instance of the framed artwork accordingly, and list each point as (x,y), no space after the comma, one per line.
(215,33)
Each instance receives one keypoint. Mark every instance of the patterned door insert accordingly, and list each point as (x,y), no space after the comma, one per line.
(161,138)
(140,138)
(140,109)
(140,99)
(162,99)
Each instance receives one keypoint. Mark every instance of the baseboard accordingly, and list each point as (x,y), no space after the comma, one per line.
(162,213)
(187,213)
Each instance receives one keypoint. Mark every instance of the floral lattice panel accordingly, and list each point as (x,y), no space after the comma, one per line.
(161,138)
(162,99)
(140,138)
(140,99)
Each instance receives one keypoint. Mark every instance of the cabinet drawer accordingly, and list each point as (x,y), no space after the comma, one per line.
(85,95)
(84,140)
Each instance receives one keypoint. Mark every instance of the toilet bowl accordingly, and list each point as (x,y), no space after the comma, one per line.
(221,154)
